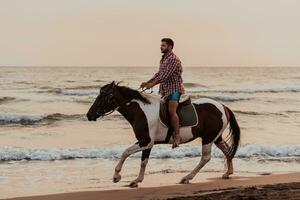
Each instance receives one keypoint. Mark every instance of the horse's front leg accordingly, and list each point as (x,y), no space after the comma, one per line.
(144,161)
(131,150)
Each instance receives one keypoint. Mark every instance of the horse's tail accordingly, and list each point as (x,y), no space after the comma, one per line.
(234,135)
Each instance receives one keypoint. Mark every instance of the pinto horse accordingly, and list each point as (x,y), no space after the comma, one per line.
(141,110)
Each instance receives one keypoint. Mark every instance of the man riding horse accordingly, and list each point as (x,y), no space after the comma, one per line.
(142,111)
(171,84)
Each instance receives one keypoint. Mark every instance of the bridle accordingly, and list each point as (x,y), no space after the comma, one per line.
(121,104)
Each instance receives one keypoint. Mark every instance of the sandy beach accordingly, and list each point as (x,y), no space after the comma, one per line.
(210,186)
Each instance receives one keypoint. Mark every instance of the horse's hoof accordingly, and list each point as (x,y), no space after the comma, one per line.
(184,181)
(116,178)
(133,184)
(225,176)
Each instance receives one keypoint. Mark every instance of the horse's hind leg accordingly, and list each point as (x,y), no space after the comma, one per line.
(206,155)
(223,146)
(144,161)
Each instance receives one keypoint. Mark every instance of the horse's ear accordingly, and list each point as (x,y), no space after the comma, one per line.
(113,85)
(119,82)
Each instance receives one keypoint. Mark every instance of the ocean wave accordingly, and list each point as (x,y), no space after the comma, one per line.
(192,85)
(6,119)
(84,101)
(6,99)
(225,98)
(292,111)
(72,92)
(98,80)
(83,87)
(259,113)
(287,153)
(92,93)
(24,82)
(252,89)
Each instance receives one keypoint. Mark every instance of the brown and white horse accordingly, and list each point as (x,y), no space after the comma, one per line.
(142,112)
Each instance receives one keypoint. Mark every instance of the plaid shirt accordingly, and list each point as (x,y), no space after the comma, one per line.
(169,75)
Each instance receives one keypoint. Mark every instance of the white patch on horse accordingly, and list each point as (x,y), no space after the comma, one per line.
(157,131)
(151,112)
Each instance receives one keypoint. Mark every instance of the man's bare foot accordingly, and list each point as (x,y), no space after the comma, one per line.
(176,141)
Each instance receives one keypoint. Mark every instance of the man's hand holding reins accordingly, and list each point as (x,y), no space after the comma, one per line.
(147,85)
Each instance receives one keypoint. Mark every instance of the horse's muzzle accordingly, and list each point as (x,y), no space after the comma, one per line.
(90,118)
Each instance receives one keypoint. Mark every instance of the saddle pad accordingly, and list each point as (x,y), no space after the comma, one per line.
(187,115)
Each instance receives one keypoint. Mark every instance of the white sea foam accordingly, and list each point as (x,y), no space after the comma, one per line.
(158,152)
(19,118)
(81,92)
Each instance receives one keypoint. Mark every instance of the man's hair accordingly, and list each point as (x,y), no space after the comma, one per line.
(169,41)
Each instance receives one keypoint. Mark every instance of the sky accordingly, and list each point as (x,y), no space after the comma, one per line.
(128,32)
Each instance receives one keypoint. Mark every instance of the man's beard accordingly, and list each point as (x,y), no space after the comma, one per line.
(164,51)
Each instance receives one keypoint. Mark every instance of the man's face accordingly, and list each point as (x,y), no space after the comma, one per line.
(164,47)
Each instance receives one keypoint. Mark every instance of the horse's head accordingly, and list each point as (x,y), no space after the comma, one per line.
(111,97)
(104,103)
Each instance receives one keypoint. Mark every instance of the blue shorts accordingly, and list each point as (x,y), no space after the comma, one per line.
(175,96)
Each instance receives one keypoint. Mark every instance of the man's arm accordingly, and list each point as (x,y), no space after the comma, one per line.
(150,83)
(154,77)
(164,73)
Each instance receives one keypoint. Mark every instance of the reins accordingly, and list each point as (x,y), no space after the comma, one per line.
(145,90)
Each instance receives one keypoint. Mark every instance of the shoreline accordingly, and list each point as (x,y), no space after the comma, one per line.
(210,185)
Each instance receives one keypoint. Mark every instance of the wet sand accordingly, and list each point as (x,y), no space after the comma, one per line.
(237,187)
(290,191)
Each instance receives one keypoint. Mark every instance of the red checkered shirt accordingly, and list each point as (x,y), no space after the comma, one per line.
(169,75)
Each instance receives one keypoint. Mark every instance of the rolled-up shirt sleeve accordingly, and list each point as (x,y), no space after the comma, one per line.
(165,71)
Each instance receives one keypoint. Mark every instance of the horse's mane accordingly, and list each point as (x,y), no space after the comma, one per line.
(129,93)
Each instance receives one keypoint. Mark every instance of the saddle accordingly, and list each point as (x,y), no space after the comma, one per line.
(186,112)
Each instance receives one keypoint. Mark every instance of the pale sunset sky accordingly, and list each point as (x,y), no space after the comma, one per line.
(128,32)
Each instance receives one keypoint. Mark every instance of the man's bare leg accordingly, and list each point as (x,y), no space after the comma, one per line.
(175,121)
